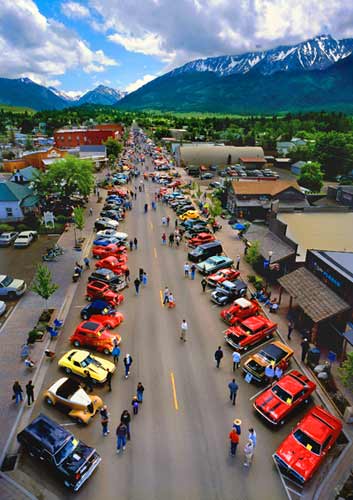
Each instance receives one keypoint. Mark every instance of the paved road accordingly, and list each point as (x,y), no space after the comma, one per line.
(176,453)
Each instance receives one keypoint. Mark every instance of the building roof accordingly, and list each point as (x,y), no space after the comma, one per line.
(206,154)
(95,149)
(263,187)
(12,191)
(317,300)
(346,189)
(269,242)
(342,262)
(253,160)
(28,173)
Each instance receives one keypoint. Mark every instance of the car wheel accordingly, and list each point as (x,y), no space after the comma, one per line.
(88,298)
(49,401)
(306,401)
(106,351)
(11,295)
(79,421)
(67,370)
(77,343)
(282,422)
(67,484)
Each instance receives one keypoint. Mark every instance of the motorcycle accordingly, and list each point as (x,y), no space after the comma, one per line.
(76,275)
(49,258)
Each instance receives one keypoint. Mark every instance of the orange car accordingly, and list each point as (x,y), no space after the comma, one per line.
(94,335)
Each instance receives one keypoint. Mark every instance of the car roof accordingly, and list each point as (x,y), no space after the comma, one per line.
(91,325)
(99,304)
(315,427)
(243,303)
(51,434)
(291,384)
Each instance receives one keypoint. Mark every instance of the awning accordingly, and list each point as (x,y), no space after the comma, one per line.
(317,300)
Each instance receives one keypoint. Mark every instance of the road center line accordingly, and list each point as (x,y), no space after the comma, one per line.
(161,297)
(155,253)
(176,406)
(151,225)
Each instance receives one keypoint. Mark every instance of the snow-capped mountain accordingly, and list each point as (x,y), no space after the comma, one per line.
(102,95)
(62,94)
(316,54)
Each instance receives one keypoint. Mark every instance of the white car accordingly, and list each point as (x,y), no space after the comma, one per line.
(2,307)
(7,238)
(105,223)
(108,233)
(11,287)
(25,238)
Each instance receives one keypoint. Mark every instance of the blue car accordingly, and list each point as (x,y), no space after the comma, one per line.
(97,307)
(104,242)
(114,198)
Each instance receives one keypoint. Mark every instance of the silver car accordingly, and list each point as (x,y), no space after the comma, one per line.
(11,287)
(7,238)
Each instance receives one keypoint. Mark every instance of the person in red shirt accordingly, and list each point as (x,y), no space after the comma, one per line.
(234,441)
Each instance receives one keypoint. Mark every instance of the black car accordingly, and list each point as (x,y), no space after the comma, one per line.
(71,459)
(111,214)
(184,208)
(97,307)
(229,291)
(115,281)
(206,175)
(195,230)
(187,224)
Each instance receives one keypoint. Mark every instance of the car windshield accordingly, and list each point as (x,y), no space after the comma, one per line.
(6,281)
(246,329)
(306,441)
(282,394)
(66,450)
(90,361)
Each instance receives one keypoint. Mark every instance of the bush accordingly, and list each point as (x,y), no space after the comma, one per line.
(253,254)
(57,229)
(61,219)
(5,228)
(256,281)
(22,227)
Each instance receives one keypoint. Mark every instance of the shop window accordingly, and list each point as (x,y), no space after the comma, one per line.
(9,212)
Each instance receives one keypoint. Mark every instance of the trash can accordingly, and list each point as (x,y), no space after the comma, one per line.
(313,357)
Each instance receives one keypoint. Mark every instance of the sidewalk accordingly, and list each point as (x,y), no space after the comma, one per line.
(13,334)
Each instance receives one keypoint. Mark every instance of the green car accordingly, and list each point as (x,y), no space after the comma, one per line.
(212,264)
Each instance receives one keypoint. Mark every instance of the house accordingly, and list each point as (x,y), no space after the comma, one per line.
(25,175)
(283,147)
(81,136)
(98,155)
(16,201)
(254,199)
(282,163)
(220,155)
(252,163)
(38,159)
(297,166)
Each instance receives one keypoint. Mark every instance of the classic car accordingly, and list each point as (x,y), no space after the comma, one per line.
(111,250)
(7,238)
(228,291)
(108,233)
(104,223)
(288,393)
(275,353)
(240,309)
(190,214)
(306,447)
(116,282)
(93,334)
(195,230)
(105,241)
(200,239)
(2,307)
(70,459)
(25,238)
(113,264)
(78,362)
(102,312)
(187,224)
(188,207)
(112,214)
(212,264)
(100,290)
(249,332)
(11,287)
(222,275)
(68,395)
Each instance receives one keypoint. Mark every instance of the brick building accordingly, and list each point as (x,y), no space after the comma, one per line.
(69,138)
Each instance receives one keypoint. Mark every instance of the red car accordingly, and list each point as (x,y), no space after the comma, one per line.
(200,239)
(119,192)
(113,264)
(111,250)
(217,278)
(100,290)
(302,452)
(249,332)
(93,334)
(278,402)
(240,309)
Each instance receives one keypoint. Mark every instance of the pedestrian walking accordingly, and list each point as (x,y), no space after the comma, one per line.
(90,211)
(121,434)
(135,243)
(141,271)
(290,329)
(278,372)
(164,239)
(218,355)
(193,271)
(270,372)
(115,351)
(137,284)
(86,262)
(176,223)
(305,345)
(203,284)
(171,301)
(109,379)
(165,295)
(125,418)
(135,405)
(89,381)
(186,269)
(168,220)
(144,278)
(131,244)
(127,364)
(234,441)
(236,360)
(171,239)
(30,392)
(252,436)
(238,262)
(104,414)
(177,240)
(183,329)
(127,275)
(233,389)
(139,391)
(249,453)
(164,221)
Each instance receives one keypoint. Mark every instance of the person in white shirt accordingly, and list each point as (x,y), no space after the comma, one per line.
(236,360)
(184,329)
(186,269)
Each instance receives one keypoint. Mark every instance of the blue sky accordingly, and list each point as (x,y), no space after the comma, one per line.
(76,45)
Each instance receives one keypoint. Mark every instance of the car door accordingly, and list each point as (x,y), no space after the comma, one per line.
(77,368)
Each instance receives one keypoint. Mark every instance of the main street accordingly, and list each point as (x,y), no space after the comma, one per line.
(179,447)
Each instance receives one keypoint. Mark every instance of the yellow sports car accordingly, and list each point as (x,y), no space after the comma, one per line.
(79,362)
(190,214)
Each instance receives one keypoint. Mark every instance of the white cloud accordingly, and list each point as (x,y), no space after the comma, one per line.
(31,44)
(74,10)
(139,83)
(148,44)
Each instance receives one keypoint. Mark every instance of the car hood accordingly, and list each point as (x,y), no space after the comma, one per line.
(78,458)
(80,397)
(16,283)
(269,403)
(298,458)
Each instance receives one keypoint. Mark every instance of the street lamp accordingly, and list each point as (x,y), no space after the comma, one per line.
(270,253)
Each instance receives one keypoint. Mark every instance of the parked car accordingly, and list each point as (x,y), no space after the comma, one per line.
(240,309)
(102,312)
(104,223)
(206,175)
(195,231)
(212,264)
(68,395)
(222,275)
(69,458)
(215,185)
(276,353)
(200,239)
(228,291)
(112,214)
(25,238)
(189,207)
(7,238)
(100,290)
(203,252)
(94,335)
(249,332)
(116,282)
(11,288)
(278,402)
(110,250)
(78,362)
(306,447)
(190,214)
(187,224)
(113,264)
(108,233)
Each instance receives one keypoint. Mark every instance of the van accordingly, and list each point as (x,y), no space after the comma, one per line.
(203,252)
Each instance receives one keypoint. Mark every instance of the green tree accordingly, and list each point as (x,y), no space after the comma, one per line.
(114,147)
(346,371)
(311,176)
(43,284)
(79,220)
(253,254)
(29,144)
(8,155)
(334,151)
